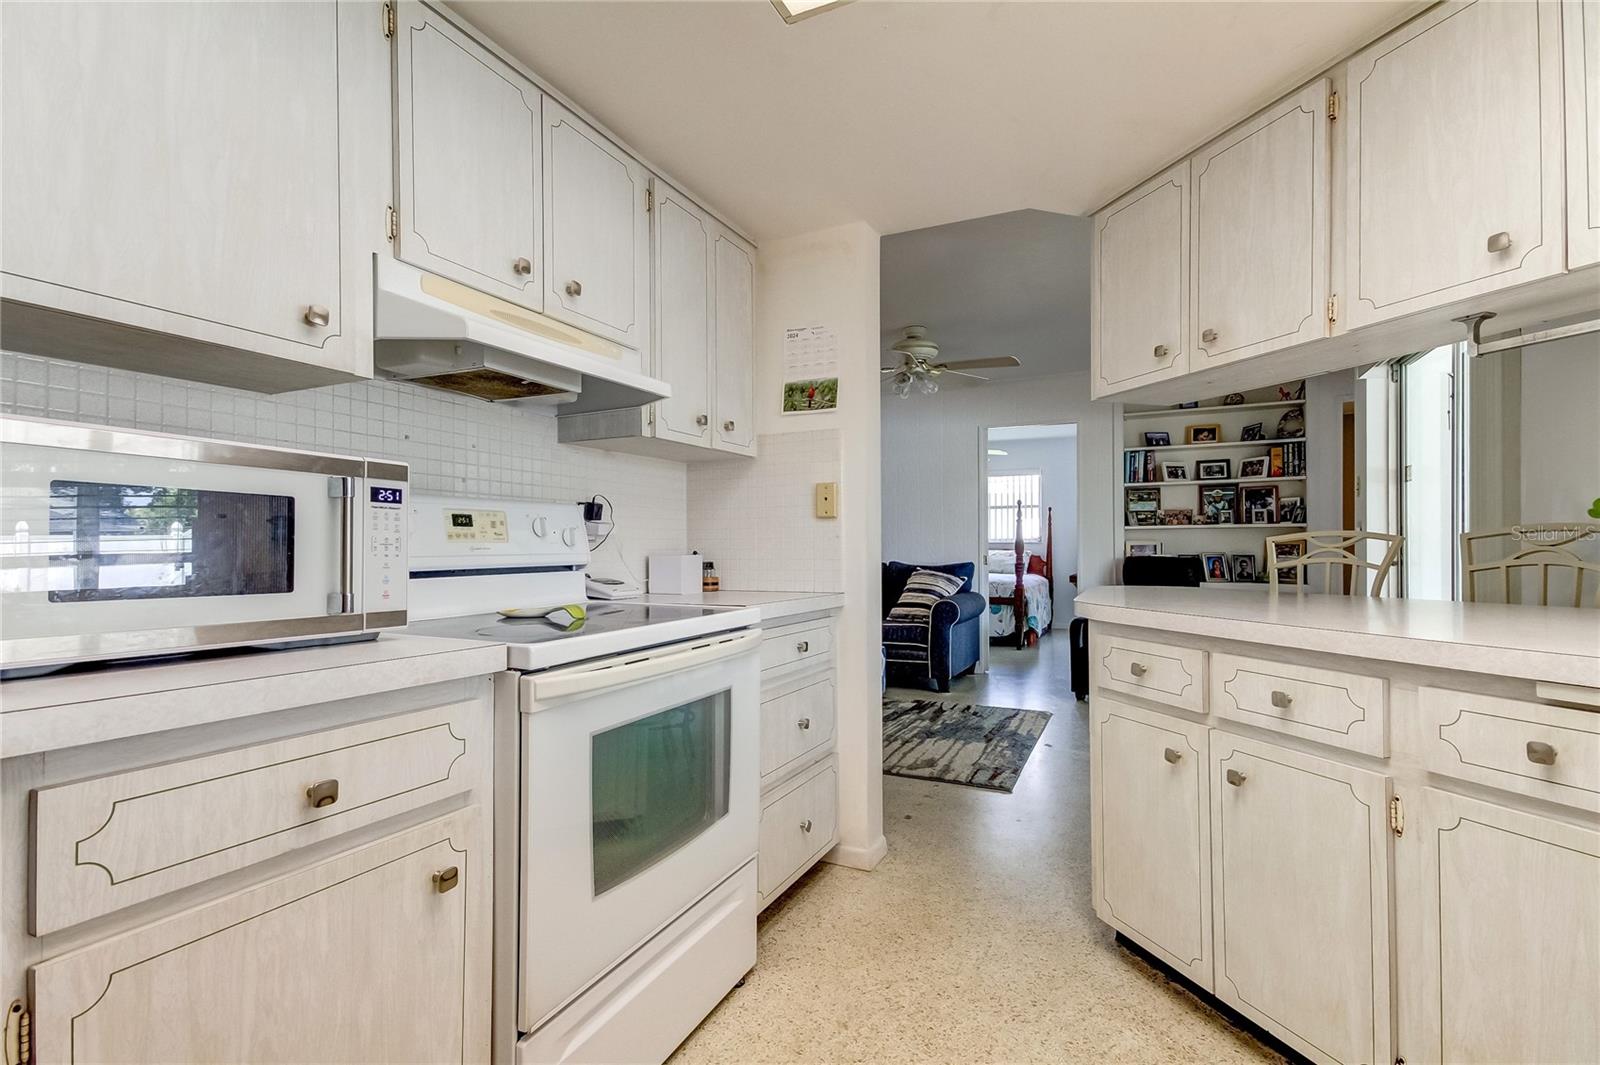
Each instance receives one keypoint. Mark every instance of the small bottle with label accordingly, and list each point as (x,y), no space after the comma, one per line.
(709,581)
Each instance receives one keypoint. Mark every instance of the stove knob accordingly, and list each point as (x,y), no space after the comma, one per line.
(541,526)
(569,536)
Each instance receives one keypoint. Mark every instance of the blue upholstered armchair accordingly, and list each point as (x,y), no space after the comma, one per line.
(954,635)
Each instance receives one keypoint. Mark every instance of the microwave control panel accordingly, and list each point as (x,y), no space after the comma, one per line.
(386,531)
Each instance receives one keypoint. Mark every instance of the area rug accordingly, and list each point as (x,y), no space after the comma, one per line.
(959,743)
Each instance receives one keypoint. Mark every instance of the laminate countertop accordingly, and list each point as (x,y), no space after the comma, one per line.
(1559,645)
(774,606)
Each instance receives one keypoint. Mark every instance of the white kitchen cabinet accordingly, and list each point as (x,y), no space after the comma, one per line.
(467,160)
(1301,897)
(596,231)
(1509,960)
(195,189)
(1580,30)
(733,271)
(683,328)
(1151,832)
(379,954)
(1259,241)
(1454,160)
(1139,326)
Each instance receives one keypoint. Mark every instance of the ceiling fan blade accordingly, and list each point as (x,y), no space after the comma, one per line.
(994,361)
(963,373)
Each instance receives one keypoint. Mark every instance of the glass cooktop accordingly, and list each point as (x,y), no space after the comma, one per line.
(602,617)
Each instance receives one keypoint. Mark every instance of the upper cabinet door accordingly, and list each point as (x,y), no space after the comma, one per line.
(735,354)
(1580,23)
(597,231)
(1454,155)
(683,317)
(1260,233)
(467,161)
(1140,321)
(188,169)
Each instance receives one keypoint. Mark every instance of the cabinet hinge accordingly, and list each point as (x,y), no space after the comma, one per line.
(388,21)
(19,1034)
(649,200)
(1333,309)
(392,224)
(1397,816)
(1333,107)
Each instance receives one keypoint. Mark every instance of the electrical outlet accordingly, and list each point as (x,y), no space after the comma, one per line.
(828,499)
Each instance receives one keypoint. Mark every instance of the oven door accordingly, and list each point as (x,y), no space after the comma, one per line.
(640,794)
(117,543)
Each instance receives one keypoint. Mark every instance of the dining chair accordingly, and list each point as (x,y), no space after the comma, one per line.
(1342,551)
(1532,550)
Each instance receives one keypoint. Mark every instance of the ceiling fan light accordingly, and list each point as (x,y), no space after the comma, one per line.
(902,387)
(929,385)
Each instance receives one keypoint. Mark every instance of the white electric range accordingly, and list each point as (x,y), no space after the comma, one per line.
(627,786)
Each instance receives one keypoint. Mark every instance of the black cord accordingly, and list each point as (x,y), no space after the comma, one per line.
(612,524)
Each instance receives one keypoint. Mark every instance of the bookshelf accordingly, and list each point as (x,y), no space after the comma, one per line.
(1257,486)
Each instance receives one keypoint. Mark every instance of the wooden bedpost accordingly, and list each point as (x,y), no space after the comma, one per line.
(1019,602)
(1050,558)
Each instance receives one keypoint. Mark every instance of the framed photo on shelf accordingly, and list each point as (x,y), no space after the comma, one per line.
(1260,503)
(1292,509)
(1210,433)
(1157,439)
(1244,569)
(1177,516)
(1220,505)
(1144,517)
(1216,566)
(1174,471)
(1213,469)
(1252,468)
(1253,431)
(1144,547)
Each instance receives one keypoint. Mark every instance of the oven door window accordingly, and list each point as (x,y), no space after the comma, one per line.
(656,784)
(123,541)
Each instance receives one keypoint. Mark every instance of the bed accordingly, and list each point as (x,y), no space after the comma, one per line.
(1022,584)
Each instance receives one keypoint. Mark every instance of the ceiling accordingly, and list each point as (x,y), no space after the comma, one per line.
(1011,284)
(906,115)
(1032,432)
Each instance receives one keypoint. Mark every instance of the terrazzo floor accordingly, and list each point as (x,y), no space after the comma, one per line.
(974,940)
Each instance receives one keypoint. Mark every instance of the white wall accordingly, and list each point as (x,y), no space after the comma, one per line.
(1326,396)
(454,444)
(1056,459)
(1560,429)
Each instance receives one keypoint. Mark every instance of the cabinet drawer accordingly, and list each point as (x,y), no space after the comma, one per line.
(107,842)
(796,722)
(1329,706)
(796,643)
(1548,752)
(798,825)
(1159,671)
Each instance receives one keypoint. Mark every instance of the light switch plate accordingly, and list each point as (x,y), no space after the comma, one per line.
(828,499)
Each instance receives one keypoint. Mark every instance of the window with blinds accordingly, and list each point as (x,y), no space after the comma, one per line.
(1005,489)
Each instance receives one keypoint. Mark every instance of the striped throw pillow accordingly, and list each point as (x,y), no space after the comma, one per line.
(925,588)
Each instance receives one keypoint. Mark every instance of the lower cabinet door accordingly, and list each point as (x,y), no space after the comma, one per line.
(1509,968)
(1301,867)
(379,954)
(1151,833)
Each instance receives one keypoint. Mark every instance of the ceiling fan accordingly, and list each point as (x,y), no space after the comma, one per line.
(919,366)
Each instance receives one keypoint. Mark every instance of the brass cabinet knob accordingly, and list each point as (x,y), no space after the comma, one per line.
(727,426)
(1499,242)
(316,315)
(803,646)
(1171,755)
(805,826)
(1161,351)
(1235,778)
(574,288)
(804,723)
(1209,336)
(1541,753)
(323,793)
(522,266)
(702,420)
(1137,669)
(1281,699)
(446,879)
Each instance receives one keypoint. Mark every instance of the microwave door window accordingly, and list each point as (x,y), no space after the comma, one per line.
(122,541)
(655,785)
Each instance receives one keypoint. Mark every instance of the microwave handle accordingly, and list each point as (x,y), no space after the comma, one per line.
(561,684)
(344,600)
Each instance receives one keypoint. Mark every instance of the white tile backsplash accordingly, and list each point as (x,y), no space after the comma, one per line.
(455,445)
(754,518)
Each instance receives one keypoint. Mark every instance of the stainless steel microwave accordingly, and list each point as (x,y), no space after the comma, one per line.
(119,544)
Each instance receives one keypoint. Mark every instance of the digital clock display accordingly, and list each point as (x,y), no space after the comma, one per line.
(387,495)
(461,521)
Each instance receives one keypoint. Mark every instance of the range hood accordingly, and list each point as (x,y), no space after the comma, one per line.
(435,332)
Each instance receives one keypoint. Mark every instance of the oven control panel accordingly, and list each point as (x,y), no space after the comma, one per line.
(452,534)
(476,526)
(385,534)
